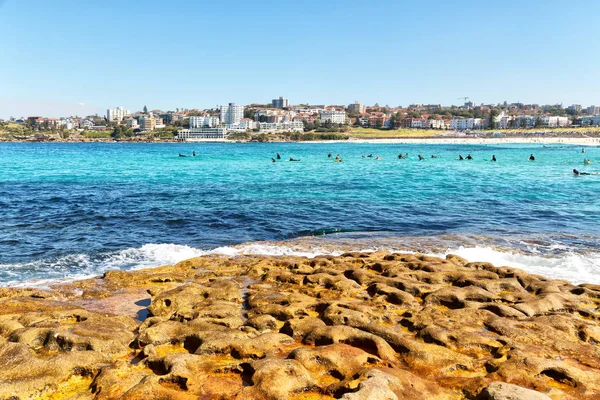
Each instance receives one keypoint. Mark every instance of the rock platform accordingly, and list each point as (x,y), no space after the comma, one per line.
(374,326)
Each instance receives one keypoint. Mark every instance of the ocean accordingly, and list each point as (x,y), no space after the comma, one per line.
(75,210)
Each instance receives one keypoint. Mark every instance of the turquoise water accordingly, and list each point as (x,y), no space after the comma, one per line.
(71,210)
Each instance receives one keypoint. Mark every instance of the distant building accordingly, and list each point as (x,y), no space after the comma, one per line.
(150,123)
(592,110)
(201,134)
(291,126)
(356,108)
(281,102)
(247,124)
(232,114)
(590,120)
(461,124)
(207,121)
(116,114)
(335,117)
(575,107)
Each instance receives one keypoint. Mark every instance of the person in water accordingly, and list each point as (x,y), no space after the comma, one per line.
(531,158)
(583,150)
(460,157)
(193,153)
(420,158)
(273,160)
(469,157)
(278,156)
(182,155)
(587,161)
(293,159)
(370,156)
(378,158)
(338,159)
(329,155)
(400,156)
(493,158)
(576,172)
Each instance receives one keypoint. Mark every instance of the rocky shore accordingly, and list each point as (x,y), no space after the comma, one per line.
(372,326)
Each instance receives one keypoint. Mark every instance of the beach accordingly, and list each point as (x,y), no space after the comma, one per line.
(358,325)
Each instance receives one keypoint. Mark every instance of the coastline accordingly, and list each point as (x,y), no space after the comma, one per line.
(566,140)
(348,326)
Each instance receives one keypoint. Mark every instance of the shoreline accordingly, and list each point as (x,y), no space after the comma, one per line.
(289,327)
(543,260)
(566,140)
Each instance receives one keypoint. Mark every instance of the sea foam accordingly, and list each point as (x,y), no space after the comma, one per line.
(576,268)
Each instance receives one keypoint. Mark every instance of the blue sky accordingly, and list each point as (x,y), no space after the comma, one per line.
(73,56)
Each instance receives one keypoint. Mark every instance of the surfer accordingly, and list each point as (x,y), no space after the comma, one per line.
(273,160)
(420,158)
(493,158)
(469,157)
(531,158)
(460,157)
(278,156)
(293,159)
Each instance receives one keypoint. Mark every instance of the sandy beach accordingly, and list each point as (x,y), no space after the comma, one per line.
(575,141)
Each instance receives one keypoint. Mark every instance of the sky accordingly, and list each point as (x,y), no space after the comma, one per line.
(74,57)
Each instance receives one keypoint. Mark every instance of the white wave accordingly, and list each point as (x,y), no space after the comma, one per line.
(570,266)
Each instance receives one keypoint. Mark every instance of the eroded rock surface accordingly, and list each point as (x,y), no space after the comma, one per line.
(358,326)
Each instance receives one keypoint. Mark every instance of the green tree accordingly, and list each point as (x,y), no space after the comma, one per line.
(145,110)
(538,122)
(249,114)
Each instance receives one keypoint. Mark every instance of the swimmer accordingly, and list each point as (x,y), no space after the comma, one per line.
(278,156)
(580,173)
(493,158)
(329,155)
(583,150)
(377,158)
(293,159)
(273,160)
(193,153)
(182,155)
(587,161)
(420,158)
(460,157)
(370,156)
(434,156)
(531,158)
(338,159)
(469,157)
(400,156)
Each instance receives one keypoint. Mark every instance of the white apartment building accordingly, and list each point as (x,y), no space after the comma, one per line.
(232,114)
(201,134)
(461,124)
(246,124)
(335,117)
(208,121)
(116,114)
(530,121)
(502,121)
(291,126)
(553,122)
